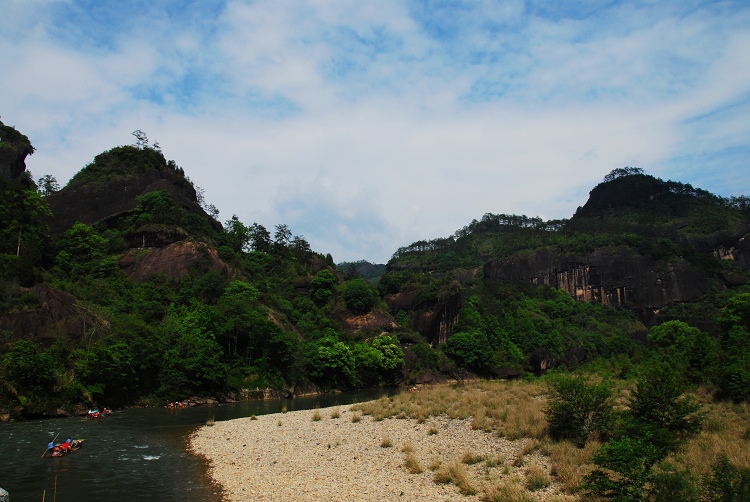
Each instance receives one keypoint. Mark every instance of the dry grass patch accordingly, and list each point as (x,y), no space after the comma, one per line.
(412,464)
(537,477)
(408,448)
(356,418)
(335,413)
(386,443)
(570,464)
(725,431)
(514,409)
(316,416)
(432,430)
(470,458)
(506,490)
(455,473)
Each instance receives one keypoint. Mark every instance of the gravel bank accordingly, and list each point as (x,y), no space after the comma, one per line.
(292,457)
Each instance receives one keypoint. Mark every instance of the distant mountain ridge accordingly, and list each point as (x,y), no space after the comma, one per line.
(638,243)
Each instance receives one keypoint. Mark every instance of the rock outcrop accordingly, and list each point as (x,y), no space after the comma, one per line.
(615,276)
(54,314)
(174,260)
(433,319)
(14,148)
(108,199)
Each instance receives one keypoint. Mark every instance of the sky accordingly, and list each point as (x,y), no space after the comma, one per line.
(368,125)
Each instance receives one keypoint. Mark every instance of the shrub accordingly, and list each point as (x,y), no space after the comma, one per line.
(727,483)
(623,468)
(577,409)
(670,483)
(658,402)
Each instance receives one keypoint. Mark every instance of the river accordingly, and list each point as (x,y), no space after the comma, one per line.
(134,454)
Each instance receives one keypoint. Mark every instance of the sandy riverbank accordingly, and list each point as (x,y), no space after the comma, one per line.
(292,457)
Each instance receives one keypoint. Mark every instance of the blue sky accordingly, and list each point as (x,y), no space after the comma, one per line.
(366,125)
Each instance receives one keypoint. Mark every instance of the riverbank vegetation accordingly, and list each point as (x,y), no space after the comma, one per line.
(650,442)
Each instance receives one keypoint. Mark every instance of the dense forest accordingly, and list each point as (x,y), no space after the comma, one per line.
(156,300)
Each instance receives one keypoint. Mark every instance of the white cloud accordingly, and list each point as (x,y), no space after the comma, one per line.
(367,126)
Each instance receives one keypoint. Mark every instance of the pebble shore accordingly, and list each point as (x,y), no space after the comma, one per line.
(336,454)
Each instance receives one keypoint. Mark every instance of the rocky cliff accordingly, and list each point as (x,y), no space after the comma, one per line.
(615,276)
(14,148)
(675,234)
(98,194)
(53,314)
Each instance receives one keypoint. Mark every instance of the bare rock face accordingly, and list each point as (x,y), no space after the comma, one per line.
(375,320)
(91,203)
(433,319)
(14,148)
(614,276)
(174,261)
(55,314)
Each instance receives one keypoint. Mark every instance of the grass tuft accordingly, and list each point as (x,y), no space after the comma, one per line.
(455,473)
(470,458)
(537,478)
(412,464)
(506,490)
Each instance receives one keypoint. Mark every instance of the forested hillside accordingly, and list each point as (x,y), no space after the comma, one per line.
(122,288)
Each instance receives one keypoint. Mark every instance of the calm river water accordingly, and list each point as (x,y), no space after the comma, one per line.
(136,454)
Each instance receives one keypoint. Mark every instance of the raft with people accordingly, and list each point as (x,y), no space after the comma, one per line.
(66,448)
(97,413)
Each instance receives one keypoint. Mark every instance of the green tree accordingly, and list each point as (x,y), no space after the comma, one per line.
(238,235)
(577,409)
(331,363)
(48,185)
(734,378)
(23,229)
(659,418)
(109,372)
(193,362)
(658,401)
(623,468)
(687,348)
(323,286)
(470,350)
(260,238)
(359,295)
(82,252)
(727,483)
(27,367)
